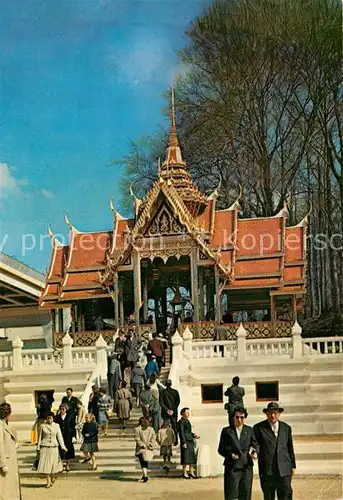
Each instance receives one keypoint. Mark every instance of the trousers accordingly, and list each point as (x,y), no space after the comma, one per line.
(272,484)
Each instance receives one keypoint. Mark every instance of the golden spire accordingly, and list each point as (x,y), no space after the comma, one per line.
(173,140)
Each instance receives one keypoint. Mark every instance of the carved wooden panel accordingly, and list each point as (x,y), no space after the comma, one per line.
(165,223)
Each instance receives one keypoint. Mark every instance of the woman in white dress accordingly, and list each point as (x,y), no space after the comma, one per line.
(50,438)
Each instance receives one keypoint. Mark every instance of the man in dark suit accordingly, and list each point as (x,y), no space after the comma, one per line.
(71,402)
(238,446)
(276,459)
(235,393)
(169,401)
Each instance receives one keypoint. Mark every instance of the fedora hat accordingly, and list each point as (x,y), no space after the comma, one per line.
(273,406)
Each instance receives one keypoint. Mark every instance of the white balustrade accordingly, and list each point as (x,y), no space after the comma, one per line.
(214,349)
(84,355)
(6,361)
(322,346)
(269,347)
(41,357)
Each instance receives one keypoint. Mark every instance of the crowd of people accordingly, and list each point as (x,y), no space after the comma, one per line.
(134,370)
(133,379)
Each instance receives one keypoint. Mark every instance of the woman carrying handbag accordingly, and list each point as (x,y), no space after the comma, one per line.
(145,443)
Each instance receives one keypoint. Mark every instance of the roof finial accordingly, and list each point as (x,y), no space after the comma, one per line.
(159,166)
(173,140)
(69,224)
(172,107)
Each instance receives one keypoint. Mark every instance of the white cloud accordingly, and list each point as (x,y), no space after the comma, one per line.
(49,195)
(9,183)
(7,179)
(141,60)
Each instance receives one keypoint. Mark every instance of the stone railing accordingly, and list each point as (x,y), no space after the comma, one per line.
(39,357)
(322,345)
(67,357)
(6,361)
(203,330)
(244,349)
(226,349)
(269,347)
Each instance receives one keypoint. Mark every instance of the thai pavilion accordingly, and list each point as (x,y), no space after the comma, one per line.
(178,253)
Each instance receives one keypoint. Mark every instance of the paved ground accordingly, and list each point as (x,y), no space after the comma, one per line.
(313,488)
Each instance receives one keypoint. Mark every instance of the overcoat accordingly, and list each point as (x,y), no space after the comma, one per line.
(188,456)
(144,437)
(68,431)
(9,483)
(122,403)
(271,448)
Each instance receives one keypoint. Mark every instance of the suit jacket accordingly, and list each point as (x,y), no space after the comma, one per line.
(235,394)
(229,443)
(220,333)
(50,436)
(281,448)
(170,400)
(72,402)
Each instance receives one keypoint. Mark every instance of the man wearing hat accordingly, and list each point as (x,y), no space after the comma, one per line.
(276,459)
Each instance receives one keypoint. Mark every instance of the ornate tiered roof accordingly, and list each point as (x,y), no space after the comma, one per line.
(249,253)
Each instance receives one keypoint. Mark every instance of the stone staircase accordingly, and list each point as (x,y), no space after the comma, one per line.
(115,458)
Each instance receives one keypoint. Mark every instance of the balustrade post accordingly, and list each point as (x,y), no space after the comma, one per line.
(101,356)
(296,338)
(17,360)
(187,341)
(67,354)
(177,343)
(241,343)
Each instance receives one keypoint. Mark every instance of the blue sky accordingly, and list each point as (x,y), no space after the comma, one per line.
(79,79)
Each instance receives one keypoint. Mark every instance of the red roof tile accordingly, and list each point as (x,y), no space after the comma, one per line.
(205,219)
(83,294)
(259,236)
(57,262)
(223,229)
(294,273)
(294,244)
(258,266)
(88,249)
(79,279)
(260,282)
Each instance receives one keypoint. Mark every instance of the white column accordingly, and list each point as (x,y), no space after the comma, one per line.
(241,343)
(17,360)
(297,344)
(101,357)
(67,354)
(187,341)
(177,343)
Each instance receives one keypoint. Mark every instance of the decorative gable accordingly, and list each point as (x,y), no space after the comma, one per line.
(165,223)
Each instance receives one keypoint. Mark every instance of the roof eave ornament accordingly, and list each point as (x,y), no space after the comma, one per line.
(69,224)
(116,214)
(215,194)
(283,212)
(304,220)
(235,205)
(53,237)
(136,201)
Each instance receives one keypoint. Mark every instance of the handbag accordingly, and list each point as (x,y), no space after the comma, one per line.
(36,461)
(147,455)
(34,435)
